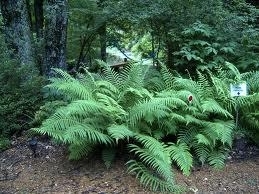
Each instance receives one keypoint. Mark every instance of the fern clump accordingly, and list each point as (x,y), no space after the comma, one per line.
(117,108)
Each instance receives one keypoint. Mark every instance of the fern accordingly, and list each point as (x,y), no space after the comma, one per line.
(202,151)
(167,77)
(217,159)
(211,106)
(79,150)
(149,179)
(152,109)
(180,153)
(108,155)
(119,132)
(223,131)
(114,107)
(62,85)
(156,163)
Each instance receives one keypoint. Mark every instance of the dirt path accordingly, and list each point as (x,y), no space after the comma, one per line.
(51,172)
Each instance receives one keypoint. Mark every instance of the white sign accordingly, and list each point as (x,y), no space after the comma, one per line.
(239,89)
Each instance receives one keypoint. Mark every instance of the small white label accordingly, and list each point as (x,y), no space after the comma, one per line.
(239,89)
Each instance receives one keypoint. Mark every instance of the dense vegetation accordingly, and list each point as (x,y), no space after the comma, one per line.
(170,107)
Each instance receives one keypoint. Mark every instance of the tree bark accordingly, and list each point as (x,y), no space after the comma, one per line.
(56,20)
(18,30)
(103,40)
(170,51)
(39,18)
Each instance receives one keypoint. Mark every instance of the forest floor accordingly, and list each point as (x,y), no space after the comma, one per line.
(52,172)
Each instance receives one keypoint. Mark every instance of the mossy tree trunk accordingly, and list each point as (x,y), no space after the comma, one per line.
(39,18)
(17,29)
(56,20)
(103,40)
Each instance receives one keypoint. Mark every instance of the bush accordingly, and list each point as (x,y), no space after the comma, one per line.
(105,110)
(20,93)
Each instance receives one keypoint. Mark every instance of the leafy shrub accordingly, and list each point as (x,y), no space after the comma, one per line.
(20,93)
(4,143)
(202,48)
(46,111)
(106,109)
(248,113)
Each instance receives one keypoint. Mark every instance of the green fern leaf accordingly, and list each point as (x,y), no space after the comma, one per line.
(212,106)
(217,159)
(79,150)
(181,155)
(118,132)
(223,130)
(202,151)
(108,156)
(202,139)
(150,179)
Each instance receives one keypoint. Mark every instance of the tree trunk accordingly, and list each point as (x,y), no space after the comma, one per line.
(18,30)
(170,50)
(56,20)
(103,37)
(38,11)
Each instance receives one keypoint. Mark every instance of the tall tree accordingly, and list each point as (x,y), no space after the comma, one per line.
(17,29)
(39,18)
(102,31)
(56,20)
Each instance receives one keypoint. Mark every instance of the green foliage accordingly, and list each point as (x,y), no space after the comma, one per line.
(180,154)
(5,143)
(154,170)
(45,111)
(20,93)
(108,156)
(202,48)
(115,108)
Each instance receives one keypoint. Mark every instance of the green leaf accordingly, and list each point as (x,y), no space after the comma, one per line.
(119,132)
(181,155)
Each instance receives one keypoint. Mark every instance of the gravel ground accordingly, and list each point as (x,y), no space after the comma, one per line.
(51,172)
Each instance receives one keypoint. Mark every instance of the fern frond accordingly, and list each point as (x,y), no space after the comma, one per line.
(187,135)
(82,107)
(131,96)
(111,76)
(186,84)
(234,70)
(149,179)
(70,129)
(217,159)
(133,76)
(167,77)
(212,106)
(177,117)
(202,151)
(69,87)
(155,162)
(155,108)
(118,132)
(153,80)
(223,129)
(190,119)
(202,139)
(107,88)
(154,146)
(79,150)
(180,153)
(111,106)
(85,132)
(108,156)
(204,85)
(154,157)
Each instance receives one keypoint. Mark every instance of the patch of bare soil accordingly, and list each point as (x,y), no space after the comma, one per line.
(52,172)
